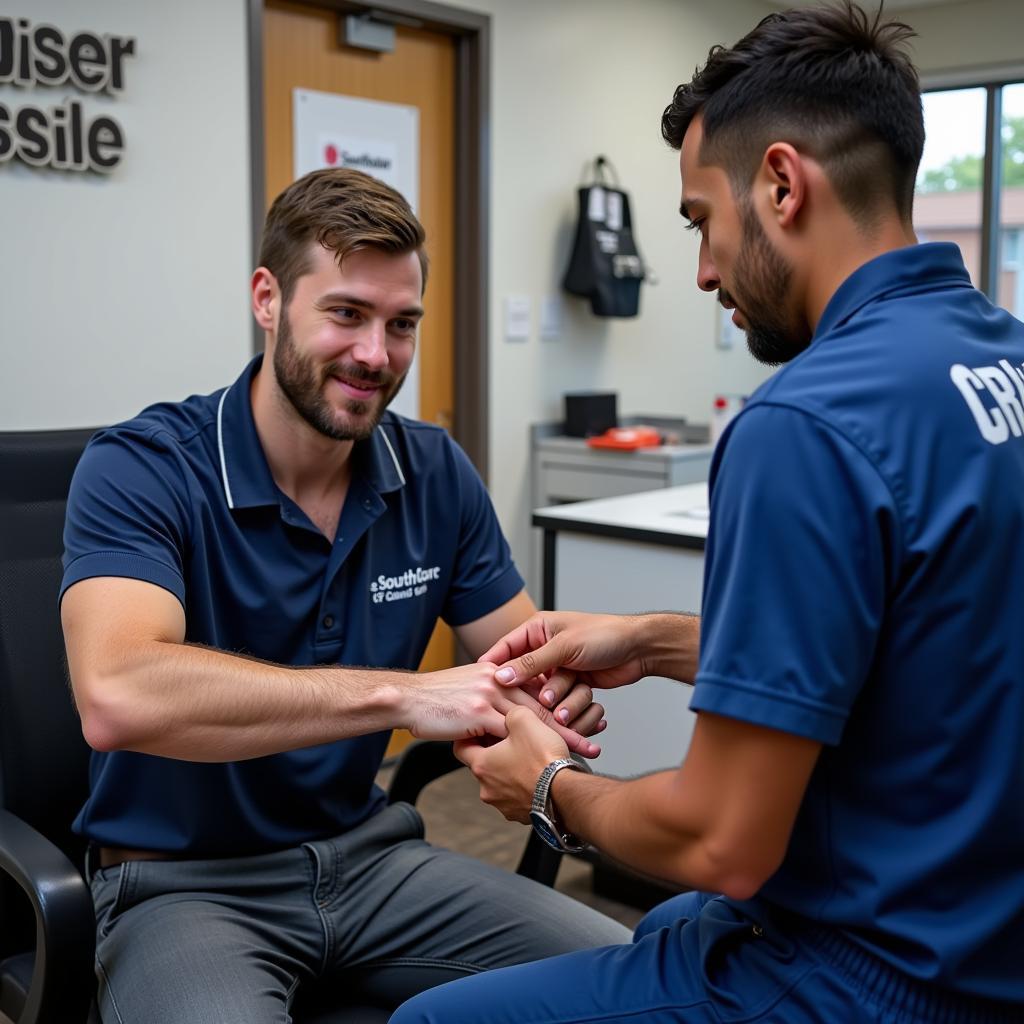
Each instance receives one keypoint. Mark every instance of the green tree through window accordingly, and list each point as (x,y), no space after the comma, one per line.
(965,172)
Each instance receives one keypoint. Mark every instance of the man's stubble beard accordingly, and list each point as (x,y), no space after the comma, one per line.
(764,278)
(302,385)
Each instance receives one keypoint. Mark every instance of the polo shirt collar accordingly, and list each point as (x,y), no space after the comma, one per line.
(921,267)
(245,475)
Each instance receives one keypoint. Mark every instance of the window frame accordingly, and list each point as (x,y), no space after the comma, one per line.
(993,80)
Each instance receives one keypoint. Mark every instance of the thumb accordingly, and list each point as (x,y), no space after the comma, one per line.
(521,721)
(469,752)
(529,666)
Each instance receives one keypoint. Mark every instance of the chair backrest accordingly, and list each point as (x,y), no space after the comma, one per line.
(43,757)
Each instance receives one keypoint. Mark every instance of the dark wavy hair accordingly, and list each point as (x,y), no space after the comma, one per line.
(834,82)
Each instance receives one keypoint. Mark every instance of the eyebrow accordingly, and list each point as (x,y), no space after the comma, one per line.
(344,299)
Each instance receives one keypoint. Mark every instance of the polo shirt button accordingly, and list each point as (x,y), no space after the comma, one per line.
(328,621)
(367,504)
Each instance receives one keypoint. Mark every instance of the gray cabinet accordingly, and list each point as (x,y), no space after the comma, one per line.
(567,469)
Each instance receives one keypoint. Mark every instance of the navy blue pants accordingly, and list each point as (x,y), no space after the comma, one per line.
(699,958)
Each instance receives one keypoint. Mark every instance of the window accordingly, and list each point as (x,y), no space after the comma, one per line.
(970,187)
(947,205)
(1013,250)
(1009,270)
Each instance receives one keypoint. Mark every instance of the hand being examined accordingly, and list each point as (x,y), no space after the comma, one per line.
(508,770)
(465,702)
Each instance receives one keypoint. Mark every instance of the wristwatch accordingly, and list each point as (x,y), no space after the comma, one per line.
(542,814)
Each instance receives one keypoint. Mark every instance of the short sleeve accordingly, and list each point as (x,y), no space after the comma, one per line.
(127,514)
(485,577)
(802,542)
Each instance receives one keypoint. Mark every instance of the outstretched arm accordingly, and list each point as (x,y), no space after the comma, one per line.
(139,686)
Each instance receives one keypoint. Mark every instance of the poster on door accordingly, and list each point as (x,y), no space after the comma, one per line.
(382,139)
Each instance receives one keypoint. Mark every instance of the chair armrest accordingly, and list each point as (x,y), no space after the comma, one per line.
(63,986)
(539,861)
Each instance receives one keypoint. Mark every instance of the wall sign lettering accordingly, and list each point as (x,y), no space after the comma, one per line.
(62,136)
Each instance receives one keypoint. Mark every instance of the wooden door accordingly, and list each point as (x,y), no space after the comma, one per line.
(301,50)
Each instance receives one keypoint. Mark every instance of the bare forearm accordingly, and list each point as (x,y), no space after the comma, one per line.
(638,823)
(670,644)
(199,704)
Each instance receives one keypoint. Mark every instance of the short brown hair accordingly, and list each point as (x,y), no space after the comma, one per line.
(345,211)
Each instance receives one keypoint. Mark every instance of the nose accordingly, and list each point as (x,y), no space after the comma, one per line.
(707,276)
(372,348)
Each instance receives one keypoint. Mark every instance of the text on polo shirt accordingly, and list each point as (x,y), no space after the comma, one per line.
(411,583)
(995,396)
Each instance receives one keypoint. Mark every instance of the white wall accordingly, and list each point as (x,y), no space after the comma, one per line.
(971,34)
(570,80)
(118,292)
(580,77)
(122,290)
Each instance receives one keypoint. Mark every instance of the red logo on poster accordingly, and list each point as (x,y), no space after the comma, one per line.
(330,154)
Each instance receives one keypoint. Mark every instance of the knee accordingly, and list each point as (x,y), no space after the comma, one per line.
(683,907)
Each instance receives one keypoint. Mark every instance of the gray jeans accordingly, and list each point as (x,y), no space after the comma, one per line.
(375,913)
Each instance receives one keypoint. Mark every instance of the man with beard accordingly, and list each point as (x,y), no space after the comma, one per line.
(849,813)
(228,559)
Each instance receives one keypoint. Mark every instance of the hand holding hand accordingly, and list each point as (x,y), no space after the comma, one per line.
(508,771)
(603,651)
(571,701)
(463,702)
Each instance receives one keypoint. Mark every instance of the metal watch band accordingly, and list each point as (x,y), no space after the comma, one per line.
(541,814)
(541,790)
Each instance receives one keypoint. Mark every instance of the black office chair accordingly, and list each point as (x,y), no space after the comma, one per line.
(47,942)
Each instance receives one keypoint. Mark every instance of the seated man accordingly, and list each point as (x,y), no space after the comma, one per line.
(854,789)
(225,556)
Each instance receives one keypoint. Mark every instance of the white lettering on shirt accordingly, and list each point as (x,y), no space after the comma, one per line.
(995,397)
(414,582)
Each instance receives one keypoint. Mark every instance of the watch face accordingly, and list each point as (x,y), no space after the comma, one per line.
(543,827)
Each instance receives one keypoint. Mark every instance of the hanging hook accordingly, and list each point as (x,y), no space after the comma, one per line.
(603,165)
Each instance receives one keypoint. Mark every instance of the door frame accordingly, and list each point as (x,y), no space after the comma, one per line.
(471,33)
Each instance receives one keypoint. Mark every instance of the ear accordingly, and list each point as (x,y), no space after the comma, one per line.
(784,175)
(265,298)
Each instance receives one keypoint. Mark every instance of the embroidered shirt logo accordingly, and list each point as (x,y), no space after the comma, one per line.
(411,583)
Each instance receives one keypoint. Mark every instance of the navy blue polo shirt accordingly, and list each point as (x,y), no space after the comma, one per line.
(182,497)
(865,588)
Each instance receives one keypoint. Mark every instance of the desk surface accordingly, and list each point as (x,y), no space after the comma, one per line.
(677,516)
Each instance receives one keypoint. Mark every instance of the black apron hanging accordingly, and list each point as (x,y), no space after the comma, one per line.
(605,265)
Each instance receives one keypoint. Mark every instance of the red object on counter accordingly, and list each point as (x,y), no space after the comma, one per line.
(626,438)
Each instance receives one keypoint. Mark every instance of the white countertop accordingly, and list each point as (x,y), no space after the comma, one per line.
(669,511)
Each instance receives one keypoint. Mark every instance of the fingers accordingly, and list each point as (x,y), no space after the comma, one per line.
(542,661)
(532,633)
(469,752)
(554,687)
(590,722)
(507,647)
(575,702)
(572,739)
(495,724)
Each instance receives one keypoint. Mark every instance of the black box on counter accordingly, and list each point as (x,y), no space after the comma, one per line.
(588,413)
